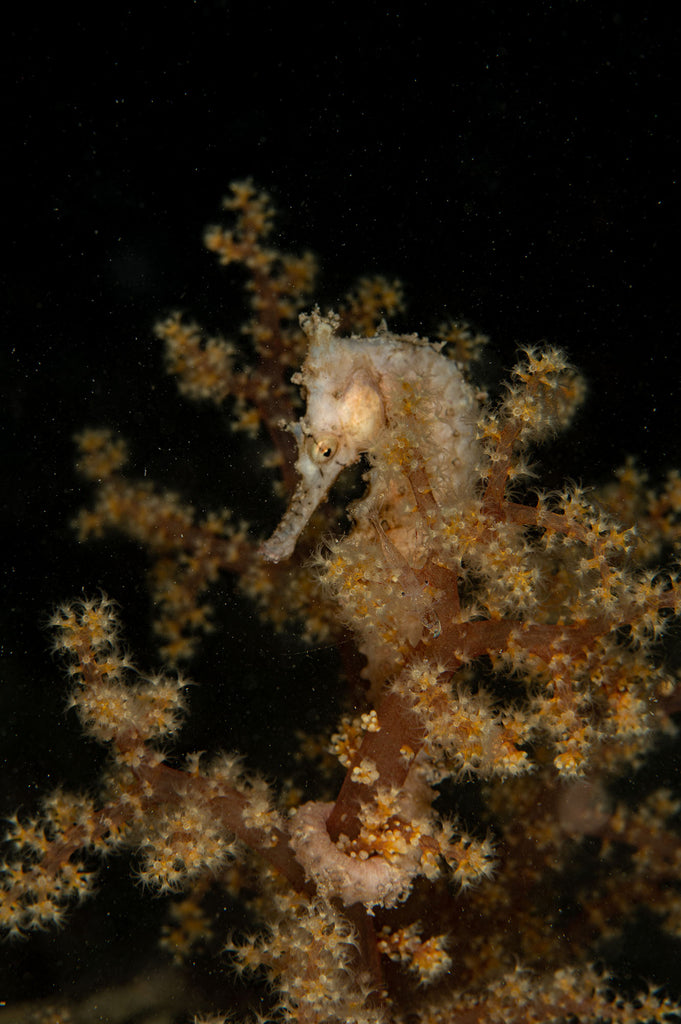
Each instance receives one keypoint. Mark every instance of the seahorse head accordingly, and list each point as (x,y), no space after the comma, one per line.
(344,416)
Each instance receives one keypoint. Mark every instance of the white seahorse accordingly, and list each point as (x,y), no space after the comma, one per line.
(376,396)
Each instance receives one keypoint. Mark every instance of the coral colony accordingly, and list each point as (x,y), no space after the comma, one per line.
(507,642)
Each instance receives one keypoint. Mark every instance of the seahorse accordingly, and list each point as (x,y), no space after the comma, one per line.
(399,400)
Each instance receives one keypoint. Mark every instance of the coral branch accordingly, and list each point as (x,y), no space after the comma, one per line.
(488,633)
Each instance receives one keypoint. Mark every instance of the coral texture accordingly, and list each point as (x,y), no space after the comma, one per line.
(497,640)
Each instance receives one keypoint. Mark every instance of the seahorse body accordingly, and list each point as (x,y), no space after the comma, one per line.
(393,398)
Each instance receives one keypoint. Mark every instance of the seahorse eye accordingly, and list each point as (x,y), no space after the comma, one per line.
(323,449)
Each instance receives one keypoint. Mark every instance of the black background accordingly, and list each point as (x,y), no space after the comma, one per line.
(512,164)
